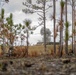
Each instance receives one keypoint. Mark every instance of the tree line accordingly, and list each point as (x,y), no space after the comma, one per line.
(41,7)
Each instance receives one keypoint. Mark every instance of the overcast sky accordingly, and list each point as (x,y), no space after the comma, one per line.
(15,7)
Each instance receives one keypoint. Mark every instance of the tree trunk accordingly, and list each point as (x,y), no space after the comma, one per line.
(3,49)
(11,44)
(61,33)
(66,41)
(74,29)
(72,23)
(44,18)
(27,43)
(54,14)
(74,38)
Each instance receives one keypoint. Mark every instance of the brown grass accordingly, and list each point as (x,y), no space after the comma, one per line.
(35,50)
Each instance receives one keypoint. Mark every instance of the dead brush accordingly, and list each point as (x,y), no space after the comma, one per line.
(58,52)
(1,54)
(19,52)
(52,52)
(33,54)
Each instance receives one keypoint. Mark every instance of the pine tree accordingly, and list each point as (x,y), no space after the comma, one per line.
(61,27)
(27,23)
(40,7)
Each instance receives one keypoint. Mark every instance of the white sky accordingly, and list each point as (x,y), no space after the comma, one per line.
(15,7)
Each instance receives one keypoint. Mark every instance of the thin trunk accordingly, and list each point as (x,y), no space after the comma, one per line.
(27,44)
(3,45)
(3,38)
(44,26)
(72,24)
(54,14)
(66,41)
(11,44)
(61,33)
(74,29)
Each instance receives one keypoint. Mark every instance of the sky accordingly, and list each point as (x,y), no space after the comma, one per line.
(16,6)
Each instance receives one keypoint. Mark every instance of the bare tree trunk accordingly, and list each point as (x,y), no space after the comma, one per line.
(3,38)
(61,33)
(3,46)
(44,18)
(27,43)
(74,16)
(11,44)
(54,14)
(66,41)
(72,23)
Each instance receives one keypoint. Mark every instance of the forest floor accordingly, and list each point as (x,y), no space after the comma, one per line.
(41,65)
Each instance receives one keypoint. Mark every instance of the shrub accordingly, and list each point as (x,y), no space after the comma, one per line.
(19,52)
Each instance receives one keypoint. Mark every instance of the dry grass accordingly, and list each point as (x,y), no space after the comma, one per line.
(6,49)
(35,50)
(39,50)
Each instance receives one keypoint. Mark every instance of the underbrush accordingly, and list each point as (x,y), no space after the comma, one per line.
(34,51)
